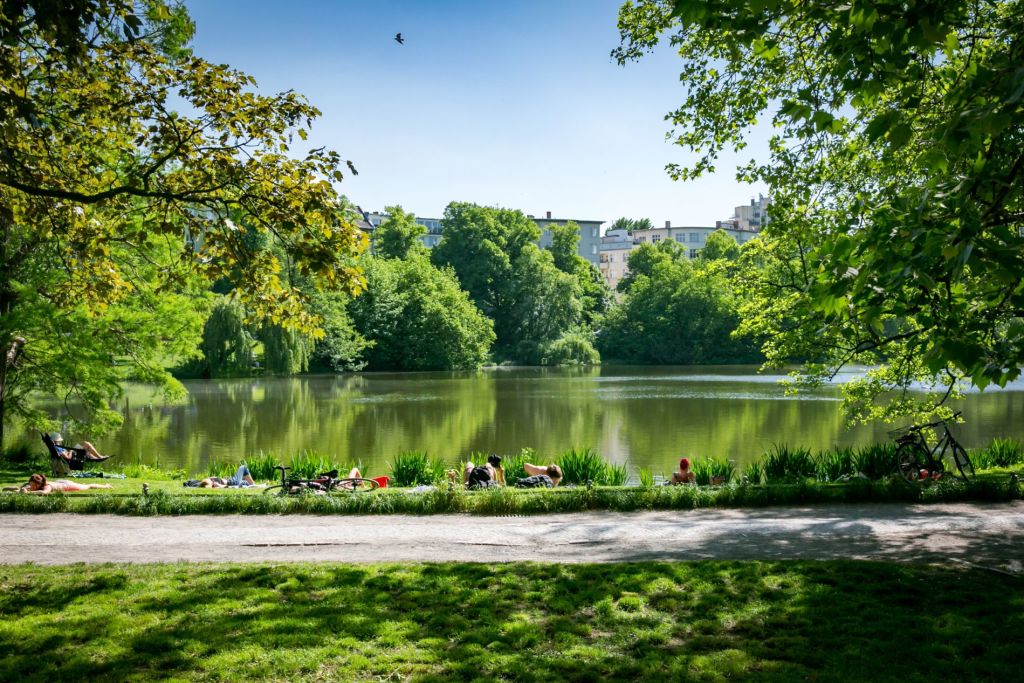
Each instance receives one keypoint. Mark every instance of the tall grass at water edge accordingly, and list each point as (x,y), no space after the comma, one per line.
(646,477)
(876,461)
(999,453)
(585,466)
(835,464)
(513,464)
(581,466)
(413,468)
(719,470)
(261,466)
(784,464)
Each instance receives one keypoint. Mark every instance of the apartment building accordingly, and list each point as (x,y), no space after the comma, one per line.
(590,235)
(753,216)
(615,247)
(691,237)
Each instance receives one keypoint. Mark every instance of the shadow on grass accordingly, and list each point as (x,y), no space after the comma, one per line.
(710,620)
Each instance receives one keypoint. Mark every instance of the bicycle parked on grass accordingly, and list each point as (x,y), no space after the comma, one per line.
(323,483)
(916,461)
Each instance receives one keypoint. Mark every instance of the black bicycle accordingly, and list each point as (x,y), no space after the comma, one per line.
(916,461)
(322,483)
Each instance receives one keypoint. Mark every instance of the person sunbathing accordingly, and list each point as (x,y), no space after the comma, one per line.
(90,451)
(241,479)
(685,475)
(484,476)
(546,477)
(38,485)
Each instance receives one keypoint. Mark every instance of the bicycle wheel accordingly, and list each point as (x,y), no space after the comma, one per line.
(963,461)
(276,488)
(353,485)
(909,461)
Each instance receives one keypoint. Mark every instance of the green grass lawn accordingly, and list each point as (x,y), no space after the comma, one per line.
(783,621)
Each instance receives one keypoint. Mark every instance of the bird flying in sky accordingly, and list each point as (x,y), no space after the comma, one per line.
(399,39)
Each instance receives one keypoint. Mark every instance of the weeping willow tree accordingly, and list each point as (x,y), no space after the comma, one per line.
(285,352)
(227,345)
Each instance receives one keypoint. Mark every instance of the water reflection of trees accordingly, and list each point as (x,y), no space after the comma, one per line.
(649,418)
(443,417)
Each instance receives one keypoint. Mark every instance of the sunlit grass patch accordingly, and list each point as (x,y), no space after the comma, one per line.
(521,621)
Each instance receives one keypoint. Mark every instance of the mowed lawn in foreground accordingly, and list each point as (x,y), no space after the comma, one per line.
(780,621)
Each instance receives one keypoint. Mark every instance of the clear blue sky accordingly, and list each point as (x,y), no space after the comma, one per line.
(513,103)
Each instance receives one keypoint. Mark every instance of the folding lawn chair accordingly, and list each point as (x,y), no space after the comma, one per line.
(64,459)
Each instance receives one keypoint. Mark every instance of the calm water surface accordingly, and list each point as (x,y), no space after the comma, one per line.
(646,416)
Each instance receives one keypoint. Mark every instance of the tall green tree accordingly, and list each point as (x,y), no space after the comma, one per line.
(227,345)
(630,224)
(286,351)
(591,289)
(514,282)
(118,148)
(399,234)
(676,312)
(897,178)
(720,245)
(416,317)
(644,257)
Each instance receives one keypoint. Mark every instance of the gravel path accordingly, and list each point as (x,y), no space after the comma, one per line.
(990,536)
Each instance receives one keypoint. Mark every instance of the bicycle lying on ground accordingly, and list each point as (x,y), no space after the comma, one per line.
(323,483)
(916,461)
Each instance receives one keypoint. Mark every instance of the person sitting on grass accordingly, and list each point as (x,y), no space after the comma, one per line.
(241,479)
(485,476)
(540,477)
(685,475)
(38,485)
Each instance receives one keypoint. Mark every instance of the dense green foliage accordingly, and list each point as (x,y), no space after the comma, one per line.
(674,311)
(226,345)
(513,281)
(399,235)
(590,288)
(720,245)
(417,318)
(285,351)
(631,224)
(415,468)
(896,178)
(126,165)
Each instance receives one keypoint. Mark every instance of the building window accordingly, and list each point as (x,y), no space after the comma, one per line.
(695,237)
(694,253)
(656,238)
(594,232)
(680,237)
(593,249)
(641,239)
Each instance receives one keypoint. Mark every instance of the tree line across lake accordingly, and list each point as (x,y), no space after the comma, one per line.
(489,294)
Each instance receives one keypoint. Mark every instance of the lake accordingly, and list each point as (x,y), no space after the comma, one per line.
(646,416)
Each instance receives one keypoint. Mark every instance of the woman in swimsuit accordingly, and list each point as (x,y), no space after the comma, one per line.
(38,484)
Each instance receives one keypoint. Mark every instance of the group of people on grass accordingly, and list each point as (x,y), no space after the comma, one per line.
(486,475)
(492,473)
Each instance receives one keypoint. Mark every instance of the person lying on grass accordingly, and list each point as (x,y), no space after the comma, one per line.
(484,476)
(540,477)
(38,485)
(241,479)
(685,475)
